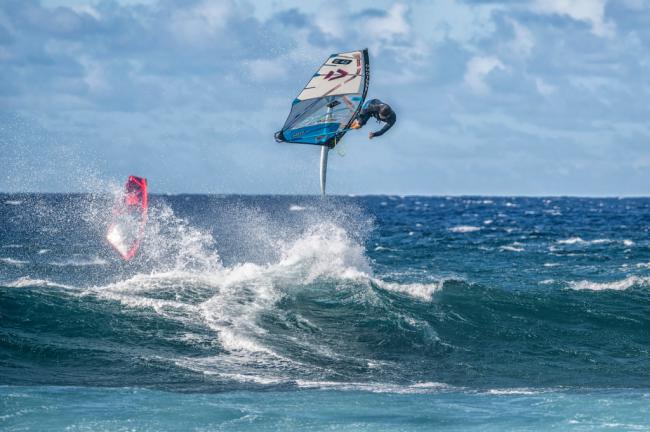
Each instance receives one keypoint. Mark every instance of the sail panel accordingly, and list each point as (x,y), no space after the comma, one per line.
(324,109)
(341,74)
(129,218)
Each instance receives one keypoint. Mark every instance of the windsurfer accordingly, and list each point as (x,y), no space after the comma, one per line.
(380,111)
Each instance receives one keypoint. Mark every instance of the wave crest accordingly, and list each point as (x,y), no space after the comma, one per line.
(620,285)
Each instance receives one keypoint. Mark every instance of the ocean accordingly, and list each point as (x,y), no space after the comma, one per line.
(347,313)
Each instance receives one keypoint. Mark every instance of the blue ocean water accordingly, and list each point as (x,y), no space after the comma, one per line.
(350,313)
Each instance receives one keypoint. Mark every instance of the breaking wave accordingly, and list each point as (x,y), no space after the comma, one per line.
(308,302)
(13,261)
(600,241)
(79,261)
(26,281)
(464,229)
(619,285)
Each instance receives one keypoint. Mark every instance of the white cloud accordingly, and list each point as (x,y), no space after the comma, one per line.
(543,87)
(86,9)
(590,11)
(523,42)
(201,21)
(455,20)
(330,21)
(638,5)
(393,24)
(595,84)
(263,70)
(95,77)
(478,68)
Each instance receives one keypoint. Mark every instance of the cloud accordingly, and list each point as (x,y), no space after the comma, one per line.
(331,22)
(589,11)
(523,41)
(456,20)
(543,87)
(267,70)
(386,27)
(637,5)
(478,68)
(201,20)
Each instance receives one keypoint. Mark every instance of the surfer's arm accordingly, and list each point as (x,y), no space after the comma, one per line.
(390,121)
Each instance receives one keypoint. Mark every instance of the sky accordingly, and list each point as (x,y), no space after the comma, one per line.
(539,97)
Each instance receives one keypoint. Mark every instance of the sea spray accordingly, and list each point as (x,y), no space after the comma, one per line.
(244,293)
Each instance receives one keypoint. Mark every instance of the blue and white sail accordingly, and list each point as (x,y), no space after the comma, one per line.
(324,110)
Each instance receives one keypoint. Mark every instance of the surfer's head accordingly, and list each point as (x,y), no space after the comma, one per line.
(385,111)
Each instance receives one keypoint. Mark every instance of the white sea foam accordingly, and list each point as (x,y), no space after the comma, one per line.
(513,391)
(26,281)
(581,241)
(79,262)
(235,296)
(13,202)
(167,308)
(572,240)
(514,247)
(418,388)
(172,244)
(228,301)
(464,229)
(13,262)
(248,378)
(619,285)
(420,291)
(295,207)
(325,251)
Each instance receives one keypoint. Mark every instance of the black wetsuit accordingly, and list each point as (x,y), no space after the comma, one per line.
(372,109)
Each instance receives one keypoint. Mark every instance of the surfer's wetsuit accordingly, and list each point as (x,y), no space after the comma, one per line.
(379,110)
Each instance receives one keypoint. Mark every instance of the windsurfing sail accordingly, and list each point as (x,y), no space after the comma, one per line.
(324,110)
(129,218)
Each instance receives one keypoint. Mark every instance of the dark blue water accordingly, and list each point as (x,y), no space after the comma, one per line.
(359,313)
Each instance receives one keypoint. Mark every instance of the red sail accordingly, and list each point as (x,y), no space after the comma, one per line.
(129,218)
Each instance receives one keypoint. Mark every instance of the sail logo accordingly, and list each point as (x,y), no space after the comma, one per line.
(331,74)
(298,134)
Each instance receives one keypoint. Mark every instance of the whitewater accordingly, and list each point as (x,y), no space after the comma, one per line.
(350,313)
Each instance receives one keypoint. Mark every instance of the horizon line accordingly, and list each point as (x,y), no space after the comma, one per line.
(351,195)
